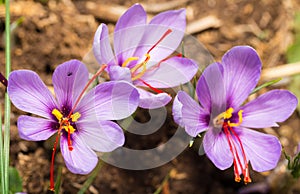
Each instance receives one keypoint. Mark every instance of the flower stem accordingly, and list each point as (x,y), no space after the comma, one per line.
(7,101)
(91,178)
(1,155)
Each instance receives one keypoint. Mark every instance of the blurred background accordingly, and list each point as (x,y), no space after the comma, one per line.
(46,33)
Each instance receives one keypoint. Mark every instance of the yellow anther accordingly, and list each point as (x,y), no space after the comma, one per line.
(125,63)
(228,113)
(240,113)
(69,127)
(57,114)
(75,116)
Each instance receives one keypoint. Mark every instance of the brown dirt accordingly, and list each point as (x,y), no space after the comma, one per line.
(56,31)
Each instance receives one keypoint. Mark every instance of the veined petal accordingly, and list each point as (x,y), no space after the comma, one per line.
(170,73)
(102,136)
(149,100)
(101,46)
(194,118)
(174,19)
(69,80)
(217,148)
(28,93)
(128,32)
(263,150)
(82,159)
(242,67)
(211,91)
(114,100)
(119,73)
(268,109)
(35,129)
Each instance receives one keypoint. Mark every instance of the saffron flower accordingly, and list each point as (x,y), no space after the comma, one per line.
(142,53)
(81,120)
(222,91)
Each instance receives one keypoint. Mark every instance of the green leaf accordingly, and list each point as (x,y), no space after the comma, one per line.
(15,181)
(265,85)
(58,180)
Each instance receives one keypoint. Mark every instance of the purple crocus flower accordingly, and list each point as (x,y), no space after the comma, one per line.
(142,53)
(81,120)
(222,90)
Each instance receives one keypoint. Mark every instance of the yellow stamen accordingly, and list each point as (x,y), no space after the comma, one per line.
(57,114)
(141,73)
(69,127)
(141,64)
(240,113)
(75,116)
(129,60)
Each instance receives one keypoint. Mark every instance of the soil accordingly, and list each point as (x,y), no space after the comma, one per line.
(53,32)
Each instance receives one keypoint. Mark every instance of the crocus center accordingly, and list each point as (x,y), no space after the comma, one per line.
(66,123)
(240,162)
(141,68)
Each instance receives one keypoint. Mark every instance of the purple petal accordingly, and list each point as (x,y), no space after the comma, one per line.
(177,111)
(217,149)
(170,73)
(150,101)
(101,46)
(261,149)
(102,136)
(194,118)
(158,26)
(210,89)
(114,100)
(242,68)
(129,31)
(69,80)
(35,129)
(268,109)
(119,73)
(28,93)
(82,159)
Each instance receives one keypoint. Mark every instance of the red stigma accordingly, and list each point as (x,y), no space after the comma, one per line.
(151,87)
(239,162)
(161,38)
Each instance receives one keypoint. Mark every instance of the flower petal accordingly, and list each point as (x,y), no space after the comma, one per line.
(119,73)
(263,150)
(174,20)
(28,93)
(69,79)
(211,91)
(82,159)
(101,46)
(268,109)
(170,73)
(149,100)
(177,111)
(114,100)
(217,149)
(128,32)
(242,67)
(35,129)
(194,118)
(102,136)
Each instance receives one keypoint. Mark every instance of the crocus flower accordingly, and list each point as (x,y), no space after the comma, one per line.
(82,121)
(222,91)
(142,53)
